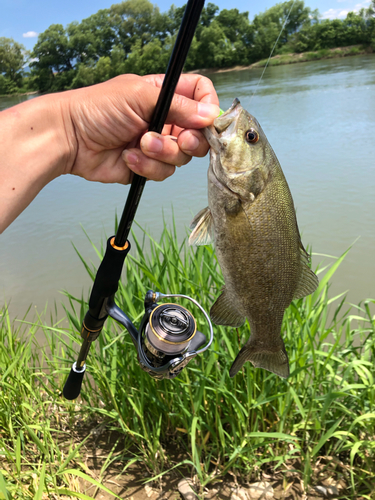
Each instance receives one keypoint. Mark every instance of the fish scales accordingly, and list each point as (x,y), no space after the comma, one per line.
(252,221)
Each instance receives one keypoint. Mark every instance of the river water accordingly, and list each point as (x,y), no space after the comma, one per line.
(319,118)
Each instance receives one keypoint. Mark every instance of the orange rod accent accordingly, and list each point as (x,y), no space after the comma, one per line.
(116,247)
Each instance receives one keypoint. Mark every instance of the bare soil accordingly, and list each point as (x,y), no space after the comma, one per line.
(130,483)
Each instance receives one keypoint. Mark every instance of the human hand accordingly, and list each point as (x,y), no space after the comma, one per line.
(109,123)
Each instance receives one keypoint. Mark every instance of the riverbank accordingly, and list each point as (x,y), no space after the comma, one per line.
(34,92)
(292,58)
(309,434)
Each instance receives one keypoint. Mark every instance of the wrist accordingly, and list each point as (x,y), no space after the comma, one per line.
(57,133)
(37,145)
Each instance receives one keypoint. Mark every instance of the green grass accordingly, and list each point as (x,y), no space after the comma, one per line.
(203,421)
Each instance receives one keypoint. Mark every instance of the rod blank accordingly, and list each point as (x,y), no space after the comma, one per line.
(176,63)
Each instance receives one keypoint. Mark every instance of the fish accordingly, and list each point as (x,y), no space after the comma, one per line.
(252,222)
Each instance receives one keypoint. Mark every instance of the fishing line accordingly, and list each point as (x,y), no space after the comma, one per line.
(273,48)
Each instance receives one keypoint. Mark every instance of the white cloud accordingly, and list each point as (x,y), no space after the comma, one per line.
(362,5)
(342,13)
(335,13)
(30,34)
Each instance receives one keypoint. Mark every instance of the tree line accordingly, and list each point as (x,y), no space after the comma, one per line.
(135,37)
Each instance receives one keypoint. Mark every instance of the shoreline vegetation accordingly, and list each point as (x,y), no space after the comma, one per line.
(278,60)
(34,92)
(293,58)
(135,37)
(129,435)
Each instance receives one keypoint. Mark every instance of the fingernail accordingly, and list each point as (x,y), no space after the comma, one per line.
(190,143)
(151,143)
(207,110)
(129,157)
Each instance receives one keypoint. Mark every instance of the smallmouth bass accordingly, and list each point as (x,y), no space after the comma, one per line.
(252,221)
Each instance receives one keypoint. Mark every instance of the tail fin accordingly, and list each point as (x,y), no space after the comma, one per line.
(276,362)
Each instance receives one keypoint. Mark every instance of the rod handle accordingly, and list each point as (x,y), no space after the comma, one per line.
(73,384)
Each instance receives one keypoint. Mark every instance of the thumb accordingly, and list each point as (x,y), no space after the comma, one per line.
(188,113)
(184,112)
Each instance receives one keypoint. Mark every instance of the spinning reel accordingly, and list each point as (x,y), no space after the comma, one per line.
(166,341)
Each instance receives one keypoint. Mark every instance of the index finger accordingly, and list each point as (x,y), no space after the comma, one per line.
(197,87)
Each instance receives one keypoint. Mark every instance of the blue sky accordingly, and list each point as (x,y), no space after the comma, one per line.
(22,20)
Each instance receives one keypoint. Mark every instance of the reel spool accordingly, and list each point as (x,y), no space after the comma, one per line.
(169,331)
(168,337)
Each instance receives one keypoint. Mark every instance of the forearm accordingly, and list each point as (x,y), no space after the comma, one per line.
(94,133)
(36,146)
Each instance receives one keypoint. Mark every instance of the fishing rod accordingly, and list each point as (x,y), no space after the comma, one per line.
(167,338)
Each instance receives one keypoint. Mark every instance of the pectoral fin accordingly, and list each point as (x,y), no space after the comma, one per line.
(308,280)
(224,312)
(202,228)
(276,362)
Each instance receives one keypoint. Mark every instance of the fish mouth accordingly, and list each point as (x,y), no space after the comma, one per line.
(223,126)
(228,118)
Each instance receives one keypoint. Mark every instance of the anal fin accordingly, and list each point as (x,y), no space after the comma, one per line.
(223,312)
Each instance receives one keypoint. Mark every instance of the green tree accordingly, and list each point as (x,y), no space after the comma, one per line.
(94,37)
(235,24)
(7,86)
(268,25)
(85,75)
(53,57)
(208,14)
(264,37)
(13,56)
(214,50)
(239,33)
(118,58)
(355,29)
(174,19)
(151,58)
(138,21)
(52,50)
(369,15)
(103,69)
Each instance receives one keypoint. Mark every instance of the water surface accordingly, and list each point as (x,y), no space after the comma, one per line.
(320,119)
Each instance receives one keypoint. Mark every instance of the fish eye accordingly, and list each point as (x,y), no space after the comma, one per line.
(252,136)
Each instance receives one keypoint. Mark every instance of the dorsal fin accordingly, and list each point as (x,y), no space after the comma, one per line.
(202,226)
